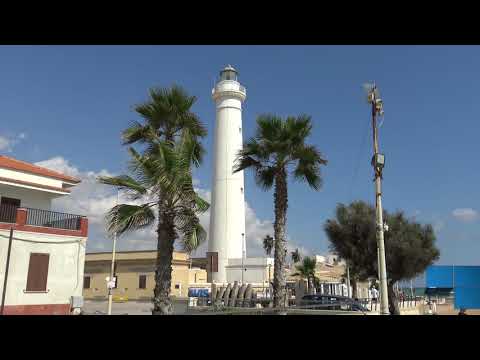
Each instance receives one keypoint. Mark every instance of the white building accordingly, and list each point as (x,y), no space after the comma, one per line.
(227,217)
(258,270)
(46,254)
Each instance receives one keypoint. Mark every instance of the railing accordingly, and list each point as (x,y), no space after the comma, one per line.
(236,86)
(8,213)
(52,219)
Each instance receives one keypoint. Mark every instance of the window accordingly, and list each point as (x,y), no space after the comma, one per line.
(8,209)
(241,190)
(37,272)
(239,129)
(86,282)
(142,282)
(177,286)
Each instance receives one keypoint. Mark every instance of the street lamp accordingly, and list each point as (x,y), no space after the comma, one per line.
(111,282)
(378,163)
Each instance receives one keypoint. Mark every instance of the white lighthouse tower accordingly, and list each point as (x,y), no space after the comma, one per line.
(227,216)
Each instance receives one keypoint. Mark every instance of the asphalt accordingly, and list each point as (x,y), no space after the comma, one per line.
(128,308)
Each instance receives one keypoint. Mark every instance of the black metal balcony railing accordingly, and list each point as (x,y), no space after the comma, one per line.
(39,217)
(8,213)
(52,219)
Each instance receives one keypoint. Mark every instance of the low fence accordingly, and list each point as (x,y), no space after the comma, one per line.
(209,310)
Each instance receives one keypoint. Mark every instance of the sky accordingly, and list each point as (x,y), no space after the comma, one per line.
(65,106)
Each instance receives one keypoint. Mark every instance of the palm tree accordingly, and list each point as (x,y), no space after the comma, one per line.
(296,257)
(165,116)
(268,244)
(161,181)
(278,147)
(306,270)
(169,135)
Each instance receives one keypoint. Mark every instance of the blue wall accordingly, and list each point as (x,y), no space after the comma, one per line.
(465,281)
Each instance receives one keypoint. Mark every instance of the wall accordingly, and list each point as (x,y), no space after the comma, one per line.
(29,198)
(65,270)
(31,178)
(256,270)
(129,271)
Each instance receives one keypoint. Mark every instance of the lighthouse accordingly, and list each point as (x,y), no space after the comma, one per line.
(227,216)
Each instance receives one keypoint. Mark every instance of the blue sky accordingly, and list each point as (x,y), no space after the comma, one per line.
(73,101)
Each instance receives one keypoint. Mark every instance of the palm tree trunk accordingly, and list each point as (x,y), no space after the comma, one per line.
(281,203)
(353,283)
(392,300)
(162,304)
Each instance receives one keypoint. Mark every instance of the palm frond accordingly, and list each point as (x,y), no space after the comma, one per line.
(126,183)
(123,218)
(269,127)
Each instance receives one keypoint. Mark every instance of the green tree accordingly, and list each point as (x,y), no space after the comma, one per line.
(268,244)
(169,137)
(409,246)
(306,270)
(296,257)
(279,148)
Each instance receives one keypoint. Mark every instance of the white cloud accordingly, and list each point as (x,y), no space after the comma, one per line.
(465,214)
(7,143)
(93,200)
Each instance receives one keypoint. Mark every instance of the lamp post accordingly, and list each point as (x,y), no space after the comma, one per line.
(243,254)
(112,271)
(348,280)
(378,163)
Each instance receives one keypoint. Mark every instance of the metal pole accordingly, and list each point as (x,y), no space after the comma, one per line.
(382,270)
(4,293)
(243,254)
(348,280)
(112,269)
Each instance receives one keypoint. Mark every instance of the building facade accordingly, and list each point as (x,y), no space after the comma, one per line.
(41,251)
(135,272)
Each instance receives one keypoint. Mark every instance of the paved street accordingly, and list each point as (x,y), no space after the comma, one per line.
(128,308)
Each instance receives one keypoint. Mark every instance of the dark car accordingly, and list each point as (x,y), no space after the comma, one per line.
(331,302)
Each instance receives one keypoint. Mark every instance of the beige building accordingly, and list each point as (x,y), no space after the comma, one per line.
(135,272)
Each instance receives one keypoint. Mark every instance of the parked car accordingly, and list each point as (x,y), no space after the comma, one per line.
(331,302)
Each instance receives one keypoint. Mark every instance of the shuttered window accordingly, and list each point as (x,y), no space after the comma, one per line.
(86,282)
(37,272)
(142,282)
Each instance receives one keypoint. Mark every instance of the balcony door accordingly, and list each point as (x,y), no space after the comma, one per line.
(8,209)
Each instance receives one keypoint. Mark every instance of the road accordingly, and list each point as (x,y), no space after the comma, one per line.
(128,308)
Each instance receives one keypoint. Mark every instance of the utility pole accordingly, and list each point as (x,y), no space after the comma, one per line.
(378,162)
(112,272)
(7,266)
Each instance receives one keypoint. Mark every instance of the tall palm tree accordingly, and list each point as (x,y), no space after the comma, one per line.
(167,119)
(306,270)
(268,244)
(296,257)
(279,148)
(161,181)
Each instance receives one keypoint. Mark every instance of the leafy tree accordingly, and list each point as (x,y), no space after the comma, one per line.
(296,257)
(268,244)
(161,175)
(279,147)
(409,246)
(306,270)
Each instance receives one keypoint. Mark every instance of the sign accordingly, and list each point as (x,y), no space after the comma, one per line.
(198,292)
(111,284)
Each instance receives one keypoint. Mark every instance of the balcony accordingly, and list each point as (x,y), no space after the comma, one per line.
(44,221)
